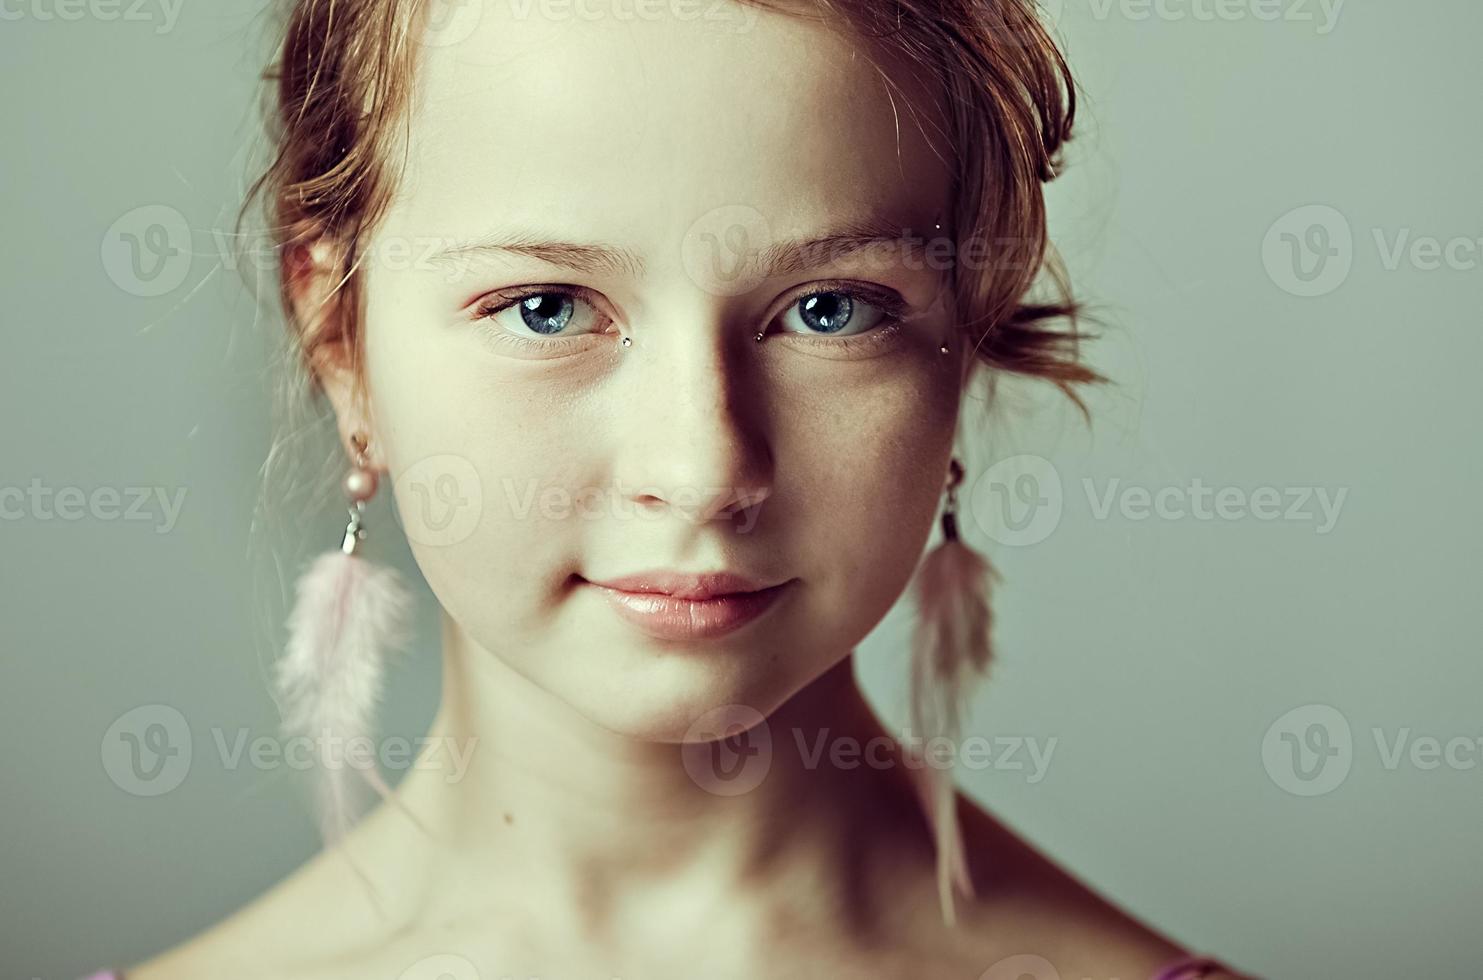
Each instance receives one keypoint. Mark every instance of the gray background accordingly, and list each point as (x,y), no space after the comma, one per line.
(1161,653)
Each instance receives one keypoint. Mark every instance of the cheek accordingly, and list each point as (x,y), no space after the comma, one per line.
(486,476)
(869,461)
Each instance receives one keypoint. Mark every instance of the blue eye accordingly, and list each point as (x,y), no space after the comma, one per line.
(835,312)
(544,313)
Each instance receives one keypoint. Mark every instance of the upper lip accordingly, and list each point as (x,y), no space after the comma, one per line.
(684,585)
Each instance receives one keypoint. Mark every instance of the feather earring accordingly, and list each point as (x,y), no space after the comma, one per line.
(951,650)
(347,613)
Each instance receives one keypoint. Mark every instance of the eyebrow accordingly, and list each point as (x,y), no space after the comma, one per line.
(589,259)
(600,259)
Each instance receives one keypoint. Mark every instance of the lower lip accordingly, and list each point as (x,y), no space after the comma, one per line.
(666,618)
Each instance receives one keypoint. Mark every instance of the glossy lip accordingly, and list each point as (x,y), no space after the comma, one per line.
(680,606)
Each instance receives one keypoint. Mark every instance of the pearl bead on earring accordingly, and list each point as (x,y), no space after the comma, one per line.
(360,483)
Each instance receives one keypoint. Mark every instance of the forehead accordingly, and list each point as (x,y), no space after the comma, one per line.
(573,119)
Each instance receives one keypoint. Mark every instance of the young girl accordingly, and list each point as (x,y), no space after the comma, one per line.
(661,317)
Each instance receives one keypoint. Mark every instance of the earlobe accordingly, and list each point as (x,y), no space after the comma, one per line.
(338,374)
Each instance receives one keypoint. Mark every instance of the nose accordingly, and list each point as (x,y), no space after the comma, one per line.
(695,439)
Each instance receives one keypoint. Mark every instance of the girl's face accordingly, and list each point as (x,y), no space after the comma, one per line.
(642,174)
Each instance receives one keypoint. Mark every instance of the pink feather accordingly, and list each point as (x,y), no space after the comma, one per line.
(347,614)
(950,651)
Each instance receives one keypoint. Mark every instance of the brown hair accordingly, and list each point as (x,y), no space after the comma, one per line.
(343,75)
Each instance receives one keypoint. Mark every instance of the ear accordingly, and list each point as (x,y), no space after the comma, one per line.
(328,335)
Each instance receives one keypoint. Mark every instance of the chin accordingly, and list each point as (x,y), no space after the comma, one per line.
(676,692)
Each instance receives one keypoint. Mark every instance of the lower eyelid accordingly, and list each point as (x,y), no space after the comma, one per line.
(534,348)
(879,338)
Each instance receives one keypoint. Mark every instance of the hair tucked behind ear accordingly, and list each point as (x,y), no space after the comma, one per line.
(342,80)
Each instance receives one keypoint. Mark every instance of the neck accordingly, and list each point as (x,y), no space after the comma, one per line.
(527,804)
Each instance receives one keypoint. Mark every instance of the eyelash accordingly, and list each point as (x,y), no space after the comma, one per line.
(894,315)
(486,308)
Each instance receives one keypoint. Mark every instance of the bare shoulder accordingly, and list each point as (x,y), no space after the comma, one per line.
(1032,916)
(297,928)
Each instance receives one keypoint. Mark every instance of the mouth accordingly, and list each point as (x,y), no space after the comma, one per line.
(674,606)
